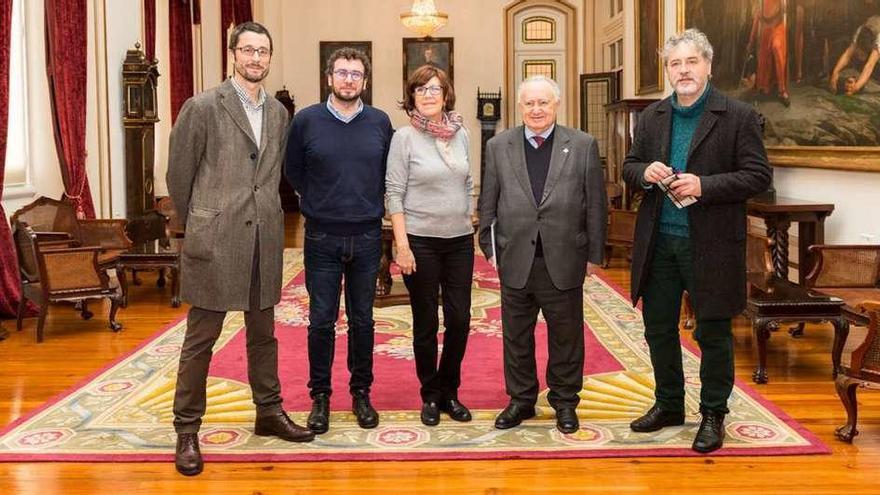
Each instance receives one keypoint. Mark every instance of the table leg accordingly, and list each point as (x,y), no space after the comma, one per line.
(777,229)
(841,332)
(762,333)
(383,282)
(123,284)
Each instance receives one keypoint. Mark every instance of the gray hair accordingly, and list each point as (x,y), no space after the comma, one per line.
(691,36)
(533,79)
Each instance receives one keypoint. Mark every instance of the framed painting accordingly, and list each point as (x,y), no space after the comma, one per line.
(649,36)
(324,52)
(799,64)
(427,51)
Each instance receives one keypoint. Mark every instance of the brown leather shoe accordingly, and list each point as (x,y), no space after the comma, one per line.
(281,426)
(187,456)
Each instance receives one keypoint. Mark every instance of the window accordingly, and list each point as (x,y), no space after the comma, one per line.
(545,68)
(615,55)
(17,137)
(539,30)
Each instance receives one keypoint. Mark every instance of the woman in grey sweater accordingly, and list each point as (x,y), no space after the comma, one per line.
(429,186)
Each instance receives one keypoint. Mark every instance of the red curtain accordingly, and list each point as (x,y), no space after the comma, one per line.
(181,45)
(9,286)
(66,63)
(150,29)
(232,13)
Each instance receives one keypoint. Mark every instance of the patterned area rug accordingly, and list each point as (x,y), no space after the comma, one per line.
(123,413)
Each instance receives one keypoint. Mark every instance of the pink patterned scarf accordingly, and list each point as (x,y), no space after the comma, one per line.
(443,131)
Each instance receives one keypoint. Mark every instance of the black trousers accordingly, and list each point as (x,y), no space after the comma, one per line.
(447,265)
(671,274)
(564,312)
(203,327)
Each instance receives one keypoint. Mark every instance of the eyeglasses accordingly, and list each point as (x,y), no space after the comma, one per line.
(428,90)
(249,51)
(343,74)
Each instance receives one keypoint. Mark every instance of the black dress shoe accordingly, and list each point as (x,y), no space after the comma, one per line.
(187,456)
(281,426)
(710,436)
(567,420)
(657,418)
(456,410)
(319,418)
(513,415)
(430,414)
(367,417)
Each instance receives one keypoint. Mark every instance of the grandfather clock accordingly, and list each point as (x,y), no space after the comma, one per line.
(488,113)
(139,78)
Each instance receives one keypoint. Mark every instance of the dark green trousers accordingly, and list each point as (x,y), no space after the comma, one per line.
(671,273)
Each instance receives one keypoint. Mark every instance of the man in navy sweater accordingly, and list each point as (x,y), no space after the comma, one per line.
(335,161)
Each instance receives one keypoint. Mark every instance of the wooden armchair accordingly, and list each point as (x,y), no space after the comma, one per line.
(51,219)
(621,231)
(54,271)
(863,370)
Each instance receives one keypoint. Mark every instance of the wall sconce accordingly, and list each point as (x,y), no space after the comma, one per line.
(423,18)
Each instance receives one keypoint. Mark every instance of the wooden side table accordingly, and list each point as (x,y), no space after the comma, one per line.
(150,261)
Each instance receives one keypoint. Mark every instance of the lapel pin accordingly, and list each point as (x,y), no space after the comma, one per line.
(565,150)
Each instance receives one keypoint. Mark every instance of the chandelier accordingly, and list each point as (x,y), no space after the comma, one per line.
(423,18)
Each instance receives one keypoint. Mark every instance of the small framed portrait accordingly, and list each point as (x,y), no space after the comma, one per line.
(427,51)
(326,49)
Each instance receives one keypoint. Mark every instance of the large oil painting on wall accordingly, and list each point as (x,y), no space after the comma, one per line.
(810,67)
(649,35)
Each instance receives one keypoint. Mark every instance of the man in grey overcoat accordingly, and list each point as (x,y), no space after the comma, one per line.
(543,198)
(224,167)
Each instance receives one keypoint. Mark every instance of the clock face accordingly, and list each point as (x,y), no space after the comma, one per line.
(488,109)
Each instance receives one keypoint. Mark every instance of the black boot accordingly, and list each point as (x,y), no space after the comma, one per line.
(187,456)
(656,419)
(319,418)
(710,436)
(367,417)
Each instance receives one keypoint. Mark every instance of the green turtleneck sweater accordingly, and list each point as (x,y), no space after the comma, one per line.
(674,220)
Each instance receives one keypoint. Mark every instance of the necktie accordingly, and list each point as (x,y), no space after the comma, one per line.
(539,140)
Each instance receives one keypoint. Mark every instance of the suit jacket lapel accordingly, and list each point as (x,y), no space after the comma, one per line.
(268,125)
(516,153)
(558,158)
(233,106)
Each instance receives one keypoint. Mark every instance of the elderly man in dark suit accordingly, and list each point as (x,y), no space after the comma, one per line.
(710,148)
(224,167)
(543,200)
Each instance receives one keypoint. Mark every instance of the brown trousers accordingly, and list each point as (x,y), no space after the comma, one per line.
(202,330)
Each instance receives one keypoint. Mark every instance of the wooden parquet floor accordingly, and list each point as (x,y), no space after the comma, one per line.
(800,384)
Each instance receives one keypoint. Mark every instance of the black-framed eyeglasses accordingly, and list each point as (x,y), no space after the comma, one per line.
(249,51)
(428,90)
(343,74)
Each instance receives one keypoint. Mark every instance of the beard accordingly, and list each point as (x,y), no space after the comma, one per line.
(242,71)
(341,97)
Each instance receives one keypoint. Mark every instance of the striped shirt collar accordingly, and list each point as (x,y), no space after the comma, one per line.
(344,118)
(245,97)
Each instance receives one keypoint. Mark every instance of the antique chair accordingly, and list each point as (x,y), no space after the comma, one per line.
(850,272)
(621,231)
(54,219)
(863,370)
(57,271)
(174,230)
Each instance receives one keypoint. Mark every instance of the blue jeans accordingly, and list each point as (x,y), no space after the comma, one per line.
(329,259)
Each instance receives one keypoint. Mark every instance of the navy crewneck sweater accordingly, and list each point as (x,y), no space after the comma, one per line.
(338,168)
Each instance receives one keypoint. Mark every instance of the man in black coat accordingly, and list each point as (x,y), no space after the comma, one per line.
(708,147)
